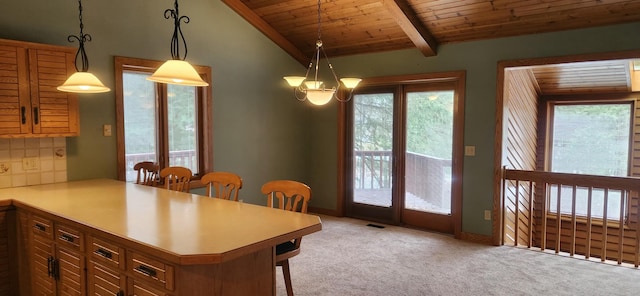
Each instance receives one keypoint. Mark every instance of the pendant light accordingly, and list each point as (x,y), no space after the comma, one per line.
(82,81)
(315,91)
(177,70)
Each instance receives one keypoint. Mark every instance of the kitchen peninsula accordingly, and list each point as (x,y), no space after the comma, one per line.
(134,239)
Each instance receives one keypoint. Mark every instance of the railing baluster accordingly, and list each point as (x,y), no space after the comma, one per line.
(531,195)
(603,256)
(589,228)
(558,217)
(572,251)
(517,213)
(623,193)
(545,201)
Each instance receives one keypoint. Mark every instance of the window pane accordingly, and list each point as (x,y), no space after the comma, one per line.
(590,139)
(372,143)
(139,121)
(429,150)
(183,125)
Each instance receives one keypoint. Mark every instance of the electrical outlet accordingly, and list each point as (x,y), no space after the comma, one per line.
(30,163)
(487,215)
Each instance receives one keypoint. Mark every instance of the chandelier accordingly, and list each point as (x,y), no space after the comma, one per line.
(82,81)
(316,91)
(177,70)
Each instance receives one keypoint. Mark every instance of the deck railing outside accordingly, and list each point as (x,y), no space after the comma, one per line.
(592,216)
(426,177)
(185,158)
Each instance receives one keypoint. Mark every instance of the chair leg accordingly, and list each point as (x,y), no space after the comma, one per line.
(287,277)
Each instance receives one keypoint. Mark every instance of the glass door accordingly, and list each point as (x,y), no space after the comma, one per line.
(402,155)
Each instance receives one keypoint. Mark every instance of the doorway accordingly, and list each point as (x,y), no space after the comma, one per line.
(403,155)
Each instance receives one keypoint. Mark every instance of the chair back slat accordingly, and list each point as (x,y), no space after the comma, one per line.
(176,178)
(222,185)
(147,173)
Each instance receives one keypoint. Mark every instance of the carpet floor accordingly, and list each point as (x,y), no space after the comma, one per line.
(350,258)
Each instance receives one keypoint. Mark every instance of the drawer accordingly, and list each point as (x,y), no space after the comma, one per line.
(144,267)
(107,253)
(69,237)
(42,226)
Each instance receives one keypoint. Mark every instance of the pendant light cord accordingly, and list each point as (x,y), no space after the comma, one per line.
(82,38)
(177,31)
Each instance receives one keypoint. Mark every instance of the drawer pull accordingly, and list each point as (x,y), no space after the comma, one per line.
(40,227)
(23,112)
(104,253)
(66,237)
(146,270)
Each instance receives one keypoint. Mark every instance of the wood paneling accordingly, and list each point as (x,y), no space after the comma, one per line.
(519,152)
(352,27)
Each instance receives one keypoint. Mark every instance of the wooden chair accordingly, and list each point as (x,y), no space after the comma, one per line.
(223,185)
(176,178)
(292,196)
(147,173)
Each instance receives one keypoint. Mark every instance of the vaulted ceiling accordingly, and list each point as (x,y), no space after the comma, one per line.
(363,26)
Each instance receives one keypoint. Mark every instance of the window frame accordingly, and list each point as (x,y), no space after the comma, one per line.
(204,118)
(550,101)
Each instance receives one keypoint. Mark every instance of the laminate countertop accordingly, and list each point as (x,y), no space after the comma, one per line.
(185,228)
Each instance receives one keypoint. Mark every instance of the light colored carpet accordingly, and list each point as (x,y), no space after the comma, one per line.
(349,258)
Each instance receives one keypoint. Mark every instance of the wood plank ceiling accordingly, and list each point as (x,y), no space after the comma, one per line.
(364,26)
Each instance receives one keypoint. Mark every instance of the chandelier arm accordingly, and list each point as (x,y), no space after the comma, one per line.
(335,77)
(297,90)
(344,100)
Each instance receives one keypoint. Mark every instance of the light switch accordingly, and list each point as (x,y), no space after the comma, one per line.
(106,130)
(470,150)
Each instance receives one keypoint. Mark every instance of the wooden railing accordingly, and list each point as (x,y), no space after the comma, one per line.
(185,158)
(426,177)
(572,213)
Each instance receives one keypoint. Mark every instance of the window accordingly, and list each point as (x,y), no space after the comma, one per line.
(165,123)
(590,138)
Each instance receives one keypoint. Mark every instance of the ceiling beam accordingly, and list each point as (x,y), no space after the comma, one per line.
(407,19)
(260,24)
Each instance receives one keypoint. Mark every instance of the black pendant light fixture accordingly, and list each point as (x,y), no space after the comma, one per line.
(177,70)
(82,81)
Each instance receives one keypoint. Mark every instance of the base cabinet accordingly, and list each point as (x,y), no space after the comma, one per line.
(57,259)
(62,257)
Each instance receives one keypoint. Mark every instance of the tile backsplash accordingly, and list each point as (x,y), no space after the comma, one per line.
(32,161)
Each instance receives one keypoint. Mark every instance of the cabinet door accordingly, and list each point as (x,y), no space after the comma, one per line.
(42,262)
(54,112)
(71,267)
(104,281)
(15,105)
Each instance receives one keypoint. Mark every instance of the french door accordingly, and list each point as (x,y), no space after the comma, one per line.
(403,157)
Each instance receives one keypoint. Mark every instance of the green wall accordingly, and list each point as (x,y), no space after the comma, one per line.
(260,131)
(479,59)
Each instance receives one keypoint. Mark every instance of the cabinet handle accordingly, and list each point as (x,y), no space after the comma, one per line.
(23,112)
(104,253)
(146,270)
(35,115)
(56,269)
(50,266)
(40,227)
(67,237)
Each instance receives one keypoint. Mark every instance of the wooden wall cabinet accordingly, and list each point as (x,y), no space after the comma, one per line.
(30,104)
